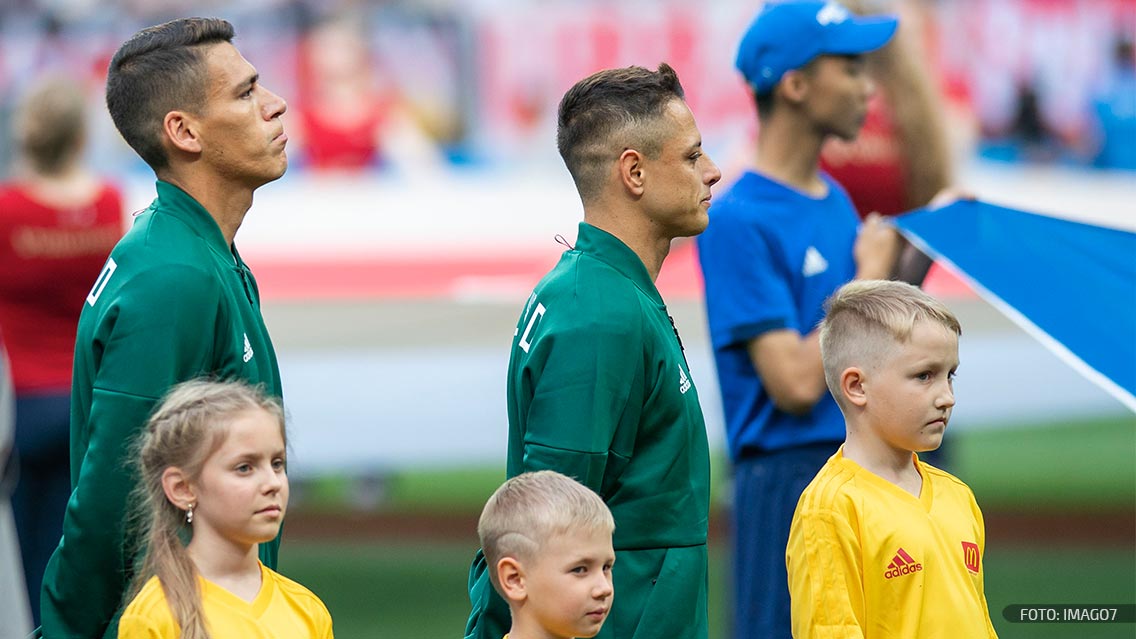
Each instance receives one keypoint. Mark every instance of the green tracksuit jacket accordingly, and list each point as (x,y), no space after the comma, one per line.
(173,302)
(599,389)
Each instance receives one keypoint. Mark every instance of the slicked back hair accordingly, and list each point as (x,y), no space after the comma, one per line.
(158,70)
(865,319)
(532,508)
(608,112)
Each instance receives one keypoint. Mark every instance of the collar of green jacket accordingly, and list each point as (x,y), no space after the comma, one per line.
(181,205)
(610,250)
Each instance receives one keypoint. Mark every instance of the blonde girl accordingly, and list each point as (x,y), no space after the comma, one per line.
(212,466)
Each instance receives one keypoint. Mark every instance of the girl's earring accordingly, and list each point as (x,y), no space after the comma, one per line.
(189,513)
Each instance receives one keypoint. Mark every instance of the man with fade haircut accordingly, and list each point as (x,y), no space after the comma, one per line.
(598,386)
(174,300)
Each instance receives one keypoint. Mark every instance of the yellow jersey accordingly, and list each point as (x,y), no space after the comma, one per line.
(869,559)
(283,609)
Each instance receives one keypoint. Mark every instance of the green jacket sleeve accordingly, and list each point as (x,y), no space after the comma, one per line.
(576,402)
(587,398)
(489,616)
(155,332)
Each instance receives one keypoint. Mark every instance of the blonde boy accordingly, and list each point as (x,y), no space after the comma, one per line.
(883,545)
(547,543)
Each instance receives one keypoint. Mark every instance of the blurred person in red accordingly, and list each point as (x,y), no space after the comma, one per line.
(901,160)
(58,223)
(349,117)
(342,109)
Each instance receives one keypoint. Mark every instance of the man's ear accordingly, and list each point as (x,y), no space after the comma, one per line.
(852,386)
(794,86)
(177,488)
(180,130)
(631,171)
(511,576)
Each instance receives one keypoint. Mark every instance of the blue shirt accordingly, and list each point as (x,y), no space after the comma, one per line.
(770,258)
(1115,107)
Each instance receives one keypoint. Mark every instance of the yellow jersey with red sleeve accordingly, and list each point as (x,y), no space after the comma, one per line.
(283,609)
(867,559)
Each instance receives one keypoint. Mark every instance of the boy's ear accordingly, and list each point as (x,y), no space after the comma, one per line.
(180,130)
(511,576)
(177,488)
(852,386)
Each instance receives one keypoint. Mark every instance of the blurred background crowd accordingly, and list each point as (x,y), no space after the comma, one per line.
(382,85)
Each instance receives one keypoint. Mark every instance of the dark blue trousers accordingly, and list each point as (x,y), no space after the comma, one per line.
(43,485)
(766,489)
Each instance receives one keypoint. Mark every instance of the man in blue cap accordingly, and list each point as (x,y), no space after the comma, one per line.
(782,239)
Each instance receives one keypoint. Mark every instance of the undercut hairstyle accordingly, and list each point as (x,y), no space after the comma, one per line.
(50,124)
(609,112)
(189,425)
(158,70)
(532,508)
(866,319)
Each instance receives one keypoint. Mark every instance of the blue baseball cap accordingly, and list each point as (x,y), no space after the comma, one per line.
(788,35)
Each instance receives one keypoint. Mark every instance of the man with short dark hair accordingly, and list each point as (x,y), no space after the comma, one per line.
(174,300)
(598,385)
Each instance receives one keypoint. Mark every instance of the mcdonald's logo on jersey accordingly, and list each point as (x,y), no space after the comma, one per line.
(970,556)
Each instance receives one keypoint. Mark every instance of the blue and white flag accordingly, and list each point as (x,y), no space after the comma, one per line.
(1070,285)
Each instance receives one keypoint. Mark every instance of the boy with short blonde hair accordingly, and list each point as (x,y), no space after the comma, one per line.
(883,545)
(547,544)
